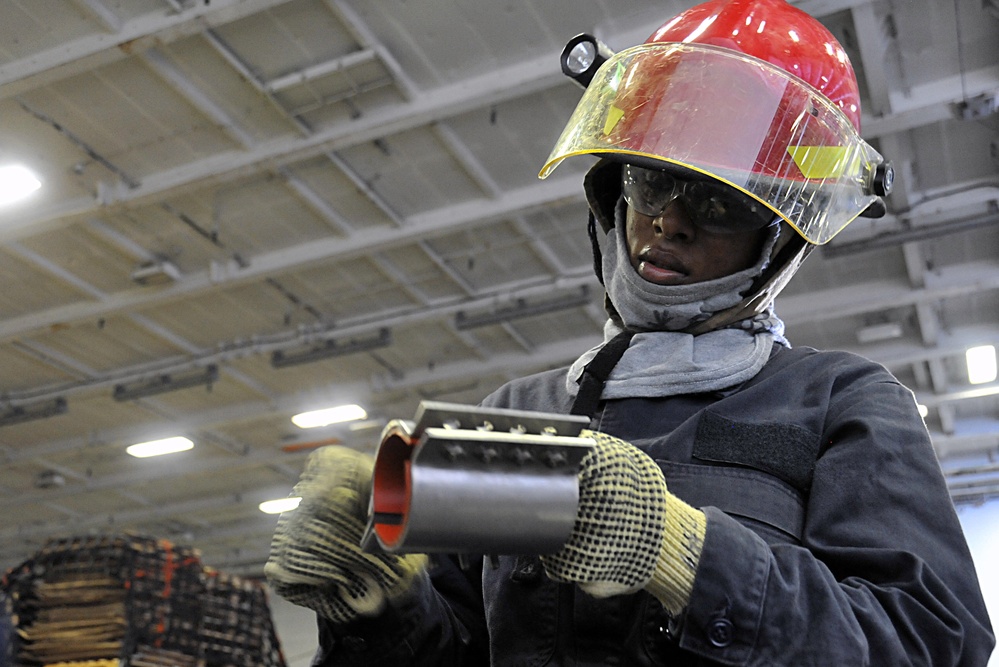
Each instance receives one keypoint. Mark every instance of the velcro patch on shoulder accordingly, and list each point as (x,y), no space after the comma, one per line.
(786,451)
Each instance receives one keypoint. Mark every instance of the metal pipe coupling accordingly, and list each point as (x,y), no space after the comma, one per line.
(462,479)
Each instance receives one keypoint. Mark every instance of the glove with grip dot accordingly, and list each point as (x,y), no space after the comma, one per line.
(316,560)
(630,532)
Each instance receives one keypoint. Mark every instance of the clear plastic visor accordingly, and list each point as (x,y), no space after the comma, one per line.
(733,117)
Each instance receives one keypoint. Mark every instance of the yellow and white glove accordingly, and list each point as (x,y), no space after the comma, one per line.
(316,560)
(630,532)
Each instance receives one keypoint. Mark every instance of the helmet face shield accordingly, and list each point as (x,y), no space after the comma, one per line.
(735,118)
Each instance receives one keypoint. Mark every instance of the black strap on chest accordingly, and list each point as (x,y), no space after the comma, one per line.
(595,374)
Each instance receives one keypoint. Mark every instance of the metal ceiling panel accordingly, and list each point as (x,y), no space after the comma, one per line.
(229,181)
(30,26)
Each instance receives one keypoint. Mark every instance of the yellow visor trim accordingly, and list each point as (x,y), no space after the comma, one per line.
(614,115)
(825,161)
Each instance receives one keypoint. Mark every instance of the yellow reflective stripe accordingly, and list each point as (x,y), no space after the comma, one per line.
(614,116)
(824,161)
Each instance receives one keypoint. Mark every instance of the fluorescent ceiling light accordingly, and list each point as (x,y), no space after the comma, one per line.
(160,447)
(327,416)
(16,182)
(981,364)
(280,505)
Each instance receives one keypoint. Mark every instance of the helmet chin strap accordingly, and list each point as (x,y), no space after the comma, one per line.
(646,306)
(784,263)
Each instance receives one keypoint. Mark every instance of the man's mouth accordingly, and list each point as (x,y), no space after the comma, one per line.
(661,268)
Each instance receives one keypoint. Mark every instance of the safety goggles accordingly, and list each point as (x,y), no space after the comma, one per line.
(712,206)
(734,118)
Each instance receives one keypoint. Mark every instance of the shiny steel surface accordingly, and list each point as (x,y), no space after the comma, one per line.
(479,481)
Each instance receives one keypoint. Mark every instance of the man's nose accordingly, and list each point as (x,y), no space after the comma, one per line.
(674,222)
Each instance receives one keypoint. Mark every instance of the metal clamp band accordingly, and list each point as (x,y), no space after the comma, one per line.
(462,479)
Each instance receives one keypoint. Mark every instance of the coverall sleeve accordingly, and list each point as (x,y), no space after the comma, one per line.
(441,624)
(882,576)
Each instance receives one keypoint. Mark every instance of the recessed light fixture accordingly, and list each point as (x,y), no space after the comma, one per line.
(16,182)
(159,447)
(327,416)
(280,505)
(981,364)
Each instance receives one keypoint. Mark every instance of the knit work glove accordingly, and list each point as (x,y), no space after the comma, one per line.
(630,532)
(316,560)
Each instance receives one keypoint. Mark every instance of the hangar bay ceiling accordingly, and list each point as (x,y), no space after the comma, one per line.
(251,208)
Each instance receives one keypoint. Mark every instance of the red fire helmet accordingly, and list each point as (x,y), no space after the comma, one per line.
(755,93)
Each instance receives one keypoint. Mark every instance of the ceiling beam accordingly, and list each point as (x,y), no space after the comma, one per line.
(176,79)
(891,354)
(929,103)
(414,229)
(91,51)
(946,282)
(364,36)
(99,11)
(951,281)
(192,422)
(821,8)
(872,43)
(515,81)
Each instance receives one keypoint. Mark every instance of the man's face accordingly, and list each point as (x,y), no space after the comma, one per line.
(671,250)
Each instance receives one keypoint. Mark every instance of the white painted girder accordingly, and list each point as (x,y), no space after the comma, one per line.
(172,75)
(86,53)
(950,444)
(930,103)
(947,282)
(12,538)
(366,38)
(107,18)
(414,229)
(427,107)
(950,282)
(820,8)
(835,303)
(64,362)
(193,422)
(494,87)
(873,45)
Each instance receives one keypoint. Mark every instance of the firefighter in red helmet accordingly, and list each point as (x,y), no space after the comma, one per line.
(746,502)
